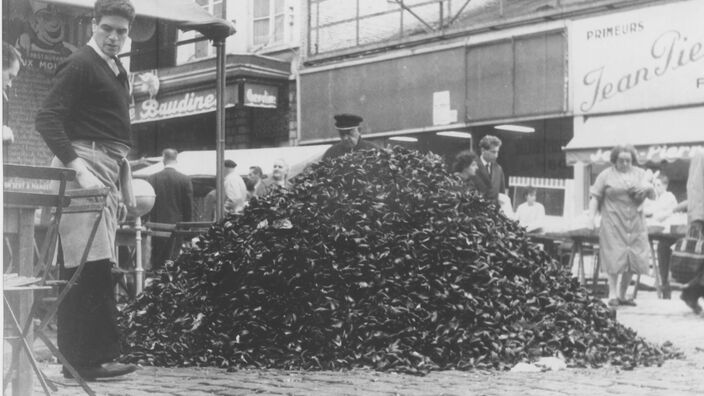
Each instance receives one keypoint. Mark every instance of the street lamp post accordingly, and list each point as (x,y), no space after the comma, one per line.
(219,124)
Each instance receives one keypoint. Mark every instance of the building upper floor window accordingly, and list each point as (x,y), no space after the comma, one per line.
(200,49)
(214,7)
(268,25)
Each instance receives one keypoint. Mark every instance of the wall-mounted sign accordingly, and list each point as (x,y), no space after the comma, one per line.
(258,95)
(443,114)
(43,39)
(654,154)
(642,59)
(179,105)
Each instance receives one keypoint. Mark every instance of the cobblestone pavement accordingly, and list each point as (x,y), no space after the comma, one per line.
(656,320)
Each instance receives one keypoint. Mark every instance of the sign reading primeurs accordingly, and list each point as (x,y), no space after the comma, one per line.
(641,59)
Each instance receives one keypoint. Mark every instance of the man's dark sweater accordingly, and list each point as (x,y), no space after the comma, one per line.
(87,102)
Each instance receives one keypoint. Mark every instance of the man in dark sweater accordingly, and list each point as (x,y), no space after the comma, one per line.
(173,204)
(85,122)
(347,126)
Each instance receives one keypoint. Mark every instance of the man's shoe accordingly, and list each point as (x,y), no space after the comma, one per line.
(105,370)
(629,302)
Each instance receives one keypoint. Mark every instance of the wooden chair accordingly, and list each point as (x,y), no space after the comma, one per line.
(62,202)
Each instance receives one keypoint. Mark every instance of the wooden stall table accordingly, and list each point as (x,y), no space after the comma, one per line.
(668,238)
(580,240)
(550,241)
(584,238)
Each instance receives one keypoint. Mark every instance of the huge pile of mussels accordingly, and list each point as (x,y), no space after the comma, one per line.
(376,259)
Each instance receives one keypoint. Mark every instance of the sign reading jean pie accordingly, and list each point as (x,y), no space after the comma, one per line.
(641,59)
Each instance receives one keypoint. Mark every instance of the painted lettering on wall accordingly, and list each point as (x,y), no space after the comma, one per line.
(670,52)
(613,31)
(190,103)
(256,95)
(639,59)
(655,153)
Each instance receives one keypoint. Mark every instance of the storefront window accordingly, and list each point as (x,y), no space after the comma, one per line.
(268,25)
(200,49)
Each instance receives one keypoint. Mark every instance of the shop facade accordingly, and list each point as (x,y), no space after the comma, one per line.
(173,93)
(637,77)
(175,107)
(444,97)
(574,83)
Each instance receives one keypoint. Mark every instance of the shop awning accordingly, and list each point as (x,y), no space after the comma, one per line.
(186,13)
(202,163)
(658,136)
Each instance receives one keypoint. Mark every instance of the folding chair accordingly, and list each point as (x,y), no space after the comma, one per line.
(75,201)
(20,205)
(14,284)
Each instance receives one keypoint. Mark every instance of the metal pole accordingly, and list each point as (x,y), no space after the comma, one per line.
(219,125)
(309,14)
(139,269)
(357,24)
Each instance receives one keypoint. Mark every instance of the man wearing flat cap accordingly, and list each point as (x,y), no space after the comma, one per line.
(350,138)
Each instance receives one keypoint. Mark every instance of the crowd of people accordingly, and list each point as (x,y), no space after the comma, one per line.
(240,189)
(623,200)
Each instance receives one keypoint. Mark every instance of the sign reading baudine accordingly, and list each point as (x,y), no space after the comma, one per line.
(172,106)
(641,59)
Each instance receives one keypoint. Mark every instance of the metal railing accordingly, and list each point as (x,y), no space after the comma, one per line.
(339,25)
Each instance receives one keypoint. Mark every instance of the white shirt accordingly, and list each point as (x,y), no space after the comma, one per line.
(485,163)
(235,193)
(530,216)
(107,59)
(661,207)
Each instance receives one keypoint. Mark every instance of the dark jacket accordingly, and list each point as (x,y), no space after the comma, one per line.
(174,197)
(339,149)
(490,186)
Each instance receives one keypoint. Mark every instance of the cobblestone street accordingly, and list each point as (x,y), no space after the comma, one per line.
(656,320)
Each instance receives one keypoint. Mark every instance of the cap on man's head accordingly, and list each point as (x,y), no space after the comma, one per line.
(230,164)
(347,121)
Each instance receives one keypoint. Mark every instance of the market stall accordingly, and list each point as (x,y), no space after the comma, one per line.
(201,163)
